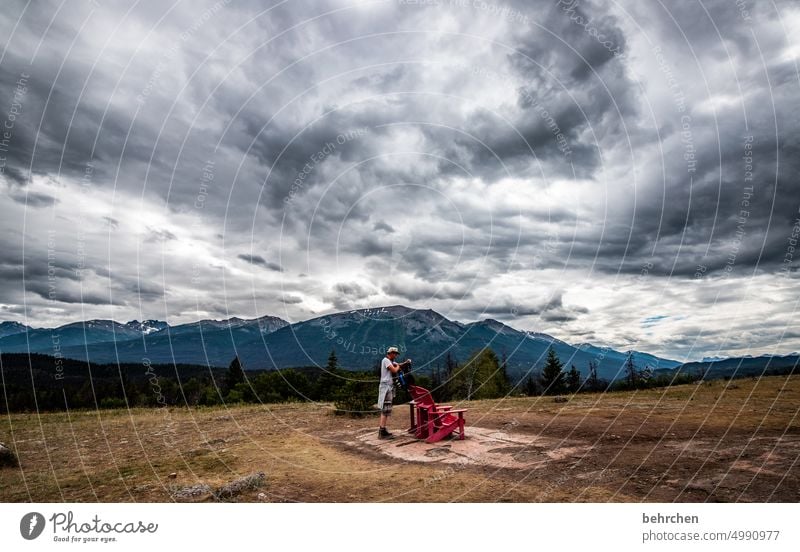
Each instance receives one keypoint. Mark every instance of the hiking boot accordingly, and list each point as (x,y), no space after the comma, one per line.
(383,434)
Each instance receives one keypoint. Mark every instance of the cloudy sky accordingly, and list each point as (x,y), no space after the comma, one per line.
(616,173)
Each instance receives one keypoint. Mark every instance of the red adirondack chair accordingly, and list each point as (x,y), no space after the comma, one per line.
(434,421)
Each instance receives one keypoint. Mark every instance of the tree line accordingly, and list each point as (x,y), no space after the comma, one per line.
(38,382)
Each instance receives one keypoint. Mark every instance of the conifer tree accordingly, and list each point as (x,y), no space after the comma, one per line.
(234,375)
(553,374)
(573,380)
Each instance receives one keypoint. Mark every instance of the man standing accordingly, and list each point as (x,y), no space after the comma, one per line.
(386,388)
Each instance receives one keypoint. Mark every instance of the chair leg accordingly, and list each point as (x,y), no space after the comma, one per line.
(422,423)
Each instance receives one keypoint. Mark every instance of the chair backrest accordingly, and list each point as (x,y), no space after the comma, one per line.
(421,396)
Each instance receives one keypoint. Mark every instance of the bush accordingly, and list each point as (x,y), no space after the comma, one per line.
(357,396)
(234,396)
(7,457)
(112,402)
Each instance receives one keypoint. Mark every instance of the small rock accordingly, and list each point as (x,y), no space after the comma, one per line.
(173,475)
(191,493)
(262,497)
(238,486)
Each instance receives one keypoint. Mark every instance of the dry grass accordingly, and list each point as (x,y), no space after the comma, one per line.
(711,441)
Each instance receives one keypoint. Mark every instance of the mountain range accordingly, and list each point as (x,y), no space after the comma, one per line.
(359,338)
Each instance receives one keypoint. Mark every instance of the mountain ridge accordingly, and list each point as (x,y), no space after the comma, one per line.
(359,337)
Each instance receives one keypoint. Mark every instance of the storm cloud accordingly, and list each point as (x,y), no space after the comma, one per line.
(570,167)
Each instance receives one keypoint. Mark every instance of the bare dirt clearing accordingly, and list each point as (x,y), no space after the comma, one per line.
(715,441)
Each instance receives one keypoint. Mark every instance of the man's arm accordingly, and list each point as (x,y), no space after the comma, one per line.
(395,367)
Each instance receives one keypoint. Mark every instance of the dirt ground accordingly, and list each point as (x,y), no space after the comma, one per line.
(715,441)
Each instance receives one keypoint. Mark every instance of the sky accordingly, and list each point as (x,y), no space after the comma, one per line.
(619,173)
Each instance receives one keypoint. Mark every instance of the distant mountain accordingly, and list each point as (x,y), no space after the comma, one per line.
(359,338)
(48,340)
(211,342)
(11,328)
(763,365)
(265,324)
(641,360)
(147,326)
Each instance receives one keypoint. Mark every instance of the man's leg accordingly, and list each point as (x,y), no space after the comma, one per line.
(386,411)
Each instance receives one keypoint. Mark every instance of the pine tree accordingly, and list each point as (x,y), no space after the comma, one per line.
(630,370)
(553,374)
(234,375)
(573,380)
(333,362)
(328,380)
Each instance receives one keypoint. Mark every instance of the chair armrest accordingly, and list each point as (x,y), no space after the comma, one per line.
(446,412)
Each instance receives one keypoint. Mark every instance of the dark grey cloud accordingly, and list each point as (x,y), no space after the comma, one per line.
(416,290)
(542,155)
(380,225)
(550,309)
(253,259)
(261,261)
(352,289)
(35,199)
(348,295)
(68,295)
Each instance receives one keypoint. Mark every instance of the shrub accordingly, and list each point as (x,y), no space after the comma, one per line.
(7,457)
(112,402)
(357,396)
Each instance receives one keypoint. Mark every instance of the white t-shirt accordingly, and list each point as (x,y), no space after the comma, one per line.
(386,374)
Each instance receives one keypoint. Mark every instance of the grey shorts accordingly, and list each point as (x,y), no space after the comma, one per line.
(388,396)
